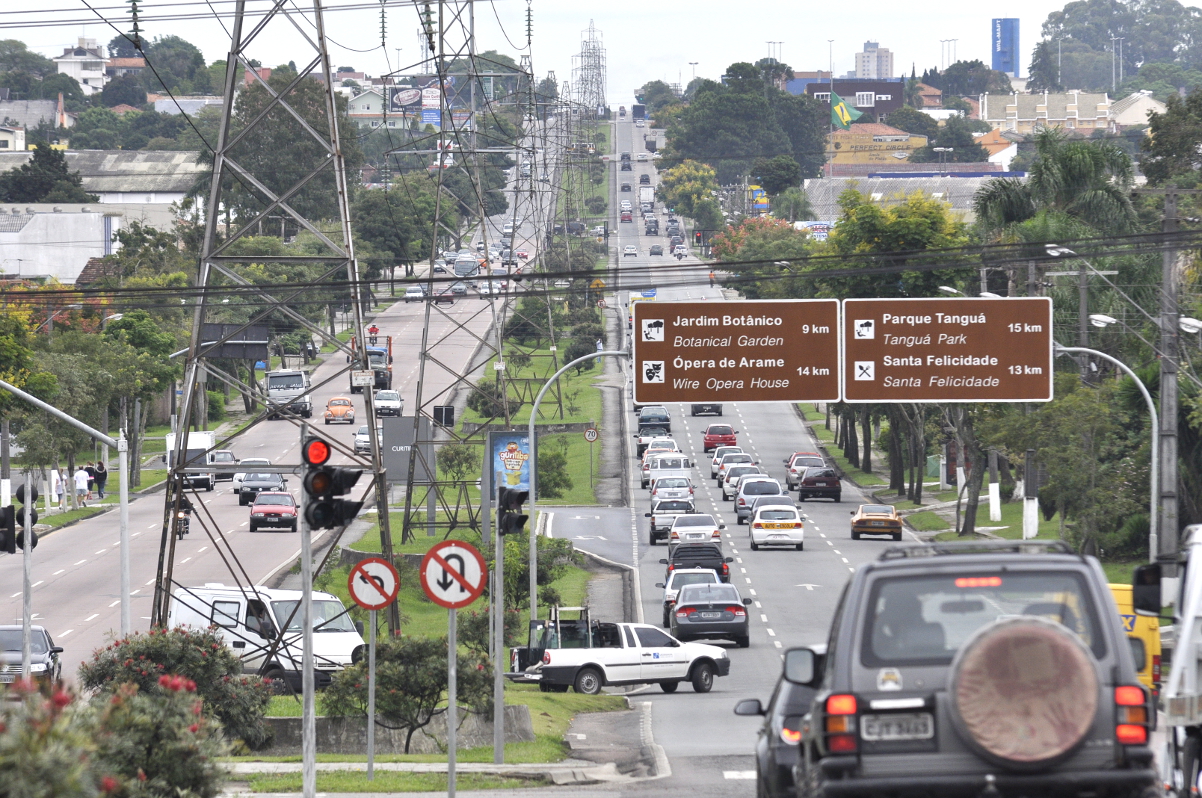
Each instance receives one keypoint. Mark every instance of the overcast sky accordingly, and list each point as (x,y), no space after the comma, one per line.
(643,40)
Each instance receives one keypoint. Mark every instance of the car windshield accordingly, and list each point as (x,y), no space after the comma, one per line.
(739,471)
(286,381)
(673,507)
(388,396)
(761,487)
(672,482)
(10,640)
(820,473)
(224,457)
(807,462)
(720,430)
(777,515)
(708,593)
(695,520)
(250,461)
(722,451)
(362,430)
(262,477)
(668,462)
(328,616)
(736,458)
(339,402)
(704,578)
(278,499)
(877,509)
(925,620)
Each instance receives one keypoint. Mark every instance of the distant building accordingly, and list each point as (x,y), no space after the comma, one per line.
(1006,56)
(12,138)
(31,113)
(133,177)
(122,109)
(1001,145)
(956,192)
(185,104)
(1027,113)
(873,143)
(1133,110)
(874,62)
(929,96)
(118,67)
(86,63)
(874,98)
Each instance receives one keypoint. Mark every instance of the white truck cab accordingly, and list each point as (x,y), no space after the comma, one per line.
(250,620)
(291,385)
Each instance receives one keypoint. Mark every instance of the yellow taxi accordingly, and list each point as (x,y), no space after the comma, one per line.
(1143,632)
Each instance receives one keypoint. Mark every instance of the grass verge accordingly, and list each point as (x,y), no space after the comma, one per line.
(578,450)
(827,437)
(388,781)
(927,522)
(62,519)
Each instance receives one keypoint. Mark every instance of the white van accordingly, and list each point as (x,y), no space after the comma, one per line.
(249,620)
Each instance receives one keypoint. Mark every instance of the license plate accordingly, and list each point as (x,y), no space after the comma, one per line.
(915,726)
(878,523)
(7,678)
(778,537)
(698,535)
(711,615)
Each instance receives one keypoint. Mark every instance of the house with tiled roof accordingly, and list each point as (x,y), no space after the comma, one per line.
(929,96)
(1026,113)
(122,109)
(1133,110)
(1002,146)
(116,67)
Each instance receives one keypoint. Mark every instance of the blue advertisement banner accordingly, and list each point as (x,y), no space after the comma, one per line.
(509,456)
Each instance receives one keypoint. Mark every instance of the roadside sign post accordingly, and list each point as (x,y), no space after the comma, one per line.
(590,435)
(773,350)
(947,350)
(373,584)
(454,574)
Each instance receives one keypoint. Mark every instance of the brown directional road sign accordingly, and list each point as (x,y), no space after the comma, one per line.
(947,350)
(769,350)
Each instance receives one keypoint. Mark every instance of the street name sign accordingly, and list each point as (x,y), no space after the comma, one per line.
(769,350)
(453,574)
(947,350)
(373,583)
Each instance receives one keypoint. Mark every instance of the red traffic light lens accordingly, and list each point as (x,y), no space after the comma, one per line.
(319,483)
(316,452)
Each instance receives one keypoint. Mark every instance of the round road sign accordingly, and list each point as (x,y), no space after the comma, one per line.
(374,583)
(590,434)
(453,574)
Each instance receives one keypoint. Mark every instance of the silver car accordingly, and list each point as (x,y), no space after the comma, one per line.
(363,440)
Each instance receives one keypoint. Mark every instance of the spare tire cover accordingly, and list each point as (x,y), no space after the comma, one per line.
(1024,690)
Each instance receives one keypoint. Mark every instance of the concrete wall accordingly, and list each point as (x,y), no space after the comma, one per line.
(52,244)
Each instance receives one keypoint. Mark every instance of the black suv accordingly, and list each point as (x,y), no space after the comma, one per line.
(699,555)
(655,415)
(975,669)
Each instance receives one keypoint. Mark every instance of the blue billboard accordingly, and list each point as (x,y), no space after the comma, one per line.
(509,457)
(1005,46)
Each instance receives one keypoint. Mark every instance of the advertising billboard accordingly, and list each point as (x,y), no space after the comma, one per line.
(1005,46)
(509,456)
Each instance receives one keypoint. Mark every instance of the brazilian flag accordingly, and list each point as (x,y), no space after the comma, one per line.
(842,114)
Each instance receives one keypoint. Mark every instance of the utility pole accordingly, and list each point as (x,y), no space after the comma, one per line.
(1169,348)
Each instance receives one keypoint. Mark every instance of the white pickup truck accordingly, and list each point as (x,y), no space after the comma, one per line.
(623,653)
(663,514)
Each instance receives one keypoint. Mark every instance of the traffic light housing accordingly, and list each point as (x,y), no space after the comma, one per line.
(19,519)
(697,238)
(323,485)
(510,519)
(8,529)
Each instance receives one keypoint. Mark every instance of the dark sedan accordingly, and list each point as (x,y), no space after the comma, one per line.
(43,661)
(777,744)
(715,610)
(819,483)
(254,484)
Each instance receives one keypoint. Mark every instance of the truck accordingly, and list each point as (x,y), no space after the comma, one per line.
(587,655)
(638,111)
(622,111)
(288,386)
(663,514)
(379,360)
(262,626)
(199,443)
(647,194)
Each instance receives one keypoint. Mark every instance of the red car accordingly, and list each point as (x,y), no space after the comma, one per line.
(719,435)
(523,254)
(275,509)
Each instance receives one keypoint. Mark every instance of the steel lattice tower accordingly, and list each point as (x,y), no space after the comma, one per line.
(588,71)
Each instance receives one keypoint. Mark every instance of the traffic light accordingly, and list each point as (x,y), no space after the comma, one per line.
(33,512)
(510,520)
(323,484)
(12,522)
(697,238)
(8,530)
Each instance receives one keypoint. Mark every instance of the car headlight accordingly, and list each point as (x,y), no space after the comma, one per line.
(256,515)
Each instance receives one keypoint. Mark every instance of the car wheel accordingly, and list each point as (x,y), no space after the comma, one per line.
(1191,762)
(755,546)
(897,535)
(588,681)
(669,687)
(651,539)
(254,528)
(241,501)
(739,520)
(719,413)
(800,498)
(801,546)
(855,535)
(209,487)
(838,498)
(702,677)
(743,642)
(293,529)
(667,621)
(327,422)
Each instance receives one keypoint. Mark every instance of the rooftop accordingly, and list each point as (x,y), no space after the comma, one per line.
(108,171)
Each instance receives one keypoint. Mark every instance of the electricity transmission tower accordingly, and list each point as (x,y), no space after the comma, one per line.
(588,72)
(237,310)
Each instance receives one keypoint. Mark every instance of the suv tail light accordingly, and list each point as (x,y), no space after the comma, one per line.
(790,733)
(1131,715)
(546,657)
(725,569)
(840,725)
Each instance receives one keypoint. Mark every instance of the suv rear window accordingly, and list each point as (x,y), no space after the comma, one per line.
(820,473)
(924,620)
(761,487)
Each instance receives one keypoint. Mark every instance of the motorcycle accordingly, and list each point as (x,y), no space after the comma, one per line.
(182,522)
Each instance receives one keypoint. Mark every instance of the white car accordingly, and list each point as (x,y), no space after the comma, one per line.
(415,293)
(247,461)
(642,156)
(694,528)
(671,488)
(776,525)
(680,578)
(719,453)
(630,249)
(388,403)
(363,439)
(730,482)
(728,460)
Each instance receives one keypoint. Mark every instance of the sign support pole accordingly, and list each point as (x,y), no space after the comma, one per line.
(26,589)
(498,688)
(453,698)
(371,696)
(308,711)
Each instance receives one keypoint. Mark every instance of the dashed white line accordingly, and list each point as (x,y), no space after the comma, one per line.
(759,606)
(763,618)
(81,562)
(772,633)
(202,548)
(91,617)
(748,581)
(14,595)
(35,584)
(135,592)
(102,551)
(752,592)
(777,642)
(59,571)
(843,558)
(64,634)
(151,582)
(184,560)
(152,526)
(115,603)
(742,570)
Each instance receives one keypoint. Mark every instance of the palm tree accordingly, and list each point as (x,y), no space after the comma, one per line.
(1089,182)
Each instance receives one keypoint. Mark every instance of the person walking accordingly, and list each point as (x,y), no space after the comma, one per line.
(711,279)
(91,469)
(102,477)
(81,487)
(57,486)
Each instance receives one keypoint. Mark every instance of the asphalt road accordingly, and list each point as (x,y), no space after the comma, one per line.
(794,592)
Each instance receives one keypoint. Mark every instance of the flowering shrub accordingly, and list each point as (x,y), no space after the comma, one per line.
(45,746)
(238,701)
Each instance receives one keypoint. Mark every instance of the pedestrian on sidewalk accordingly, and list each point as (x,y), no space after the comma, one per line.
(711,279)
(57,486)
(102,477)
(81,487)
(91,469)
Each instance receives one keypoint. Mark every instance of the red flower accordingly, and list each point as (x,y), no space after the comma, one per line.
(195,727)
(61,698)
(141,775)
(165,681)
(109,784)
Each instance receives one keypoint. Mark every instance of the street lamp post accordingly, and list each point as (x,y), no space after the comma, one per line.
(49,322)
(694,64)
(942,156)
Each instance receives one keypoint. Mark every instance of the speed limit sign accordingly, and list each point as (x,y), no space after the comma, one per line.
(590,434)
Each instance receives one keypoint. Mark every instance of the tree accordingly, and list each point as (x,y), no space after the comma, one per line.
(121,46)
(656,95)
(776,174)
(1088,182)
(913,122)
(16,57)
(554,482)
(1171,149)
(60,83)
(967,78)
(792,204)
(956,135)
(45,178)
(126,90)
(1044,72)
(17,364)
(179,66)
(805,122)
(683,185)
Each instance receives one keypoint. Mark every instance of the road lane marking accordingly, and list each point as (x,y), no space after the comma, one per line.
(35,584)
(152,526)
(202,548)
(763,618)
(843,558)
(777,642)
(136,592)
(64,634)
(151,582)
(115,603)
(92,616)
(14,595)
(739,774)
(102,551)
(752,592)
(59,571)
(772,633)
(838,552)
(81,562)
(748,581)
